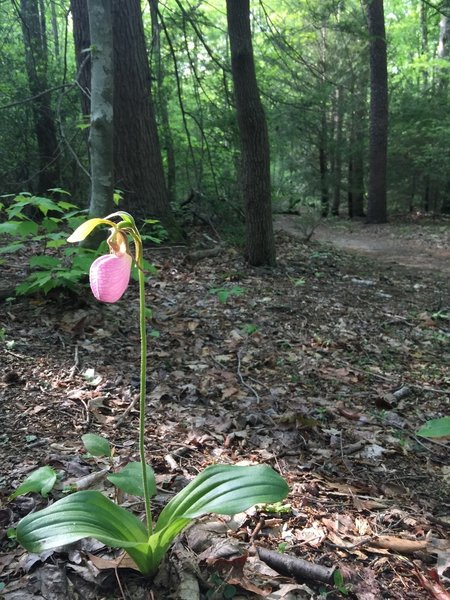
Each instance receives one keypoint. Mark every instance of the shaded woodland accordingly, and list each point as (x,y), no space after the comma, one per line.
(323,75)
(286,165)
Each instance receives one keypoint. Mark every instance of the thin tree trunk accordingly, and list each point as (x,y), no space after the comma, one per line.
(82,40)
(337,171)
(162,100)
(253,136)
(323,169)
(55,29)
(377,204)
(101,130)
(34,36)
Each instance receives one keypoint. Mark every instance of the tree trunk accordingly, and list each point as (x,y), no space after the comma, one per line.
(377,204)
(337,170)
(138,165)
(356,149)
(55,31)
(253,136)
(101,130)
(82,40)
(33,28)
(323,169)
(162,100)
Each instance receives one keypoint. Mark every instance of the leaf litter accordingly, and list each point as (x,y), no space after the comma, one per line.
(328,380)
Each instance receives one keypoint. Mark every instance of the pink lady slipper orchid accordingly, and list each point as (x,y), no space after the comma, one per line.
(109,275)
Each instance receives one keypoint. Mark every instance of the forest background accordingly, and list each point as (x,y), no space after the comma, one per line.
(312,64)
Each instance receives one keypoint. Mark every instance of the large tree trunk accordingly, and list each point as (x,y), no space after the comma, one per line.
(34,36)
(101,130)
(253,136)
(138,165)
(377,204)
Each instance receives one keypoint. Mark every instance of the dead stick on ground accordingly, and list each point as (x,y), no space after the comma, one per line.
(297,568)
(127,411)
(244,383)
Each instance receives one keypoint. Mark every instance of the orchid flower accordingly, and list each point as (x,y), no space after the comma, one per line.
(109,275)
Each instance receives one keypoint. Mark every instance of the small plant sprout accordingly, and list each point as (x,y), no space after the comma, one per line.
(220,488)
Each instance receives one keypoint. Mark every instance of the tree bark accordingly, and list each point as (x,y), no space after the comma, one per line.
(138,164)
(101,130)
(254,138)
(34,37)
(162,100)
(82,40)
(377,203)
(337,159)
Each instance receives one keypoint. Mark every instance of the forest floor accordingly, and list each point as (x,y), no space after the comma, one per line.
(323,367)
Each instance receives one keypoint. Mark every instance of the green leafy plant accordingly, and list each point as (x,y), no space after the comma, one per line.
(339,582)
(436,428)
(249,328)
(223,489)
(40,481)
(35,220)
(224,293)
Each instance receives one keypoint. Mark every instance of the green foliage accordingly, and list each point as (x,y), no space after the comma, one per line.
(223,489)
(224,293)
(40,481)
(249,328)
(220,588)
(36,222)
(153,231)
(436,428)
(129,479)
(96,445)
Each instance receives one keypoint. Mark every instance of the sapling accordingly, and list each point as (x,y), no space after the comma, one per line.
(222,489)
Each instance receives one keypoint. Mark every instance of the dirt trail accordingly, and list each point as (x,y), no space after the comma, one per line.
(411,245)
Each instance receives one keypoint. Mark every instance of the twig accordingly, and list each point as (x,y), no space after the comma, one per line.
(17,355)
(36,96)
(76,363)
(127,411)
(244,383)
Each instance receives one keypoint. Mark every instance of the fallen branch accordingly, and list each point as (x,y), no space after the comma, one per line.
(198,255)
(297,568)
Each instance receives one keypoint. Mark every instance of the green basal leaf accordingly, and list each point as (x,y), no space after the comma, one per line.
(96,444)
(86,514)
(226,490)
(221,489)
(436,428)
(40,481)
(129,479)
(86,228)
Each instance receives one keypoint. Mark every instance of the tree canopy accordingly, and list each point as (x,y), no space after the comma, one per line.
(312,69)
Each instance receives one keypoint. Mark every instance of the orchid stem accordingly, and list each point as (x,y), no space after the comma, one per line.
(143,380)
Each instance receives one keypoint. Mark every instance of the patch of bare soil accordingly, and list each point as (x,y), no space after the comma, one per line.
(422,245)
(324,367)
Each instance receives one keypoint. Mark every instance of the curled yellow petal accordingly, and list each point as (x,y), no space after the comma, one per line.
(85,229)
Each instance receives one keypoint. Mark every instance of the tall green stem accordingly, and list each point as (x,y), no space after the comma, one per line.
(143,381)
